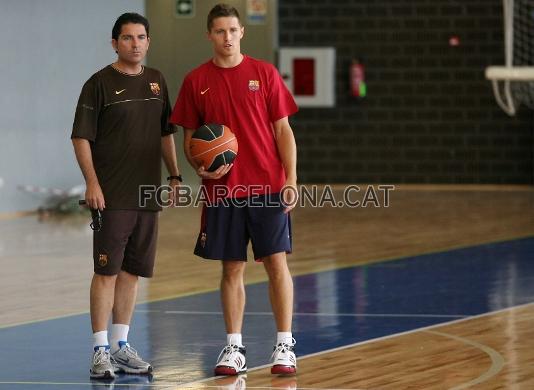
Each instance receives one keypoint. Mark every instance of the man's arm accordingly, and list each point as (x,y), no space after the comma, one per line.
(287,149)
(168,152)
(94,196)
(218,173)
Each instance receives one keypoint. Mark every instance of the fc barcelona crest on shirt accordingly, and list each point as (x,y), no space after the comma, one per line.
(154,87)
(254,85)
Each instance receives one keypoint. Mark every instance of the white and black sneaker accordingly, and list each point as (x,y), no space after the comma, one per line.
(283,358)
(128,360)
(101,367)
(231,361)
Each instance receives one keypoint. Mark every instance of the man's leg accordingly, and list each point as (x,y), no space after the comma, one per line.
(125,358)
(223,235)
(101,304)
(281,296)
(139,257)
(233,295)
(109,244)
(101,300)
(280,290)
(232,360)
(125,296)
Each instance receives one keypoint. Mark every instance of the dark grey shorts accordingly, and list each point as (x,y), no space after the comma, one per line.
(127,241)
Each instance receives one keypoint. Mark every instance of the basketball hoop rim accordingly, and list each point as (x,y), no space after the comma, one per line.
(510,73)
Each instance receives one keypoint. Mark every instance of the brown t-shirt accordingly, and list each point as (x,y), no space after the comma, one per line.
(124,117)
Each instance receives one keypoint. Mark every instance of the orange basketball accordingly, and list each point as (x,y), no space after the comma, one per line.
(213,145)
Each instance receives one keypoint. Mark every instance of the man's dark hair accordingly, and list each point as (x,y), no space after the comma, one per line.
(129,17)
(221,10)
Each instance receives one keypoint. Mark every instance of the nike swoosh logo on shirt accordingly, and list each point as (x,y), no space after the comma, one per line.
(203,92)
(119,92)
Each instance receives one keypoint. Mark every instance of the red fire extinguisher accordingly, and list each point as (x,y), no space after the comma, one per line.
(357,80)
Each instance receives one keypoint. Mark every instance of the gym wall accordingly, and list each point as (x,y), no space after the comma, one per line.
(430,115)
(49,49)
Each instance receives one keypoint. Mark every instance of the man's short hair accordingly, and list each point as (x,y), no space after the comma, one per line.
(129,17)
(221,10)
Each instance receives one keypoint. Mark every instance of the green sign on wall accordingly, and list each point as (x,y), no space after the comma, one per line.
(184,8)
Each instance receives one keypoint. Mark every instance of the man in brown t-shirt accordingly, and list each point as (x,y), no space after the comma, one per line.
(120,134)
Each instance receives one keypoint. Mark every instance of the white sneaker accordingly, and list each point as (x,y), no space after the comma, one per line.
(231,361)
(283,358)
(101,367)
(128,360)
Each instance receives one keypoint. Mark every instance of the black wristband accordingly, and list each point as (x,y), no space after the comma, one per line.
(179,178)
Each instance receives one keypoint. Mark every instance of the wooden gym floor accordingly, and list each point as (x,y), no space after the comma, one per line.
(46,269)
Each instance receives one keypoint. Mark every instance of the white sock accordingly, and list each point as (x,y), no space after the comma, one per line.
(234,338)
(119,332)
(284,337)
(100,339)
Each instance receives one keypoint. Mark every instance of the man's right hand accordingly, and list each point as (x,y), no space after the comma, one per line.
(217,174)
(94,197)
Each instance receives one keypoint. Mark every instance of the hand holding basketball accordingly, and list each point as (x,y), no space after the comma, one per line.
(217,174)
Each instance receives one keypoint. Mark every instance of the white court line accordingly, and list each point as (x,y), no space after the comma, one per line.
(497,361)
(261,313)
(383,338)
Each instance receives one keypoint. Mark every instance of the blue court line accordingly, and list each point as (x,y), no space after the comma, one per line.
(372,301)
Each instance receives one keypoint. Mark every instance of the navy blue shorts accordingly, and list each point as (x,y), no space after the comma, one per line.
(227,227)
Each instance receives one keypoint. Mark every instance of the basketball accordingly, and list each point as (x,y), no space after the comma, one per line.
(213,145)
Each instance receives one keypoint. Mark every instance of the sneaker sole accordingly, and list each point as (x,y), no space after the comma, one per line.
(129,370)
(283,370)
(105,375)
(225,370)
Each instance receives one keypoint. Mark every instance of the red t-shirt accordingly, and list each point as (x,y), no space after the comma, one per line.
(247,98)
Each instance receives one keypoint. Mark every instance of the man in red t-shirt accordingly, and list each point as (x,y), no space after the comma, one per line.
(248,96)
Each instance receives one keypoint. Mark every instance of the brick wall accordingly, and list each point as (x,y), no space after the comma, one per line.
(430,115)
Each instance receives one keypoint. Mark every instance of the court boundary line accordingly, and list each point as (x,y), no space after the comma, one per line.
(369,262)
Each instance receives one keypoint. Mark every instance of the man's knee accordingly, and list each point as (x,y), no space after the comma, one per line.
(277,269)
(233,270)
(276,263)
(128,276)
(104,280)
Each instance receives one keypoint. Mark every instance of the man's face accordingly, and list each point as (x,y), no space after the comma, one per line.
(225,35)
(132,44)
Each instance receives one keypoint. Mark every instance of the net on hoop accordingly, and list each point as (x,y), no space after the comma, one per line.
(513,84)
